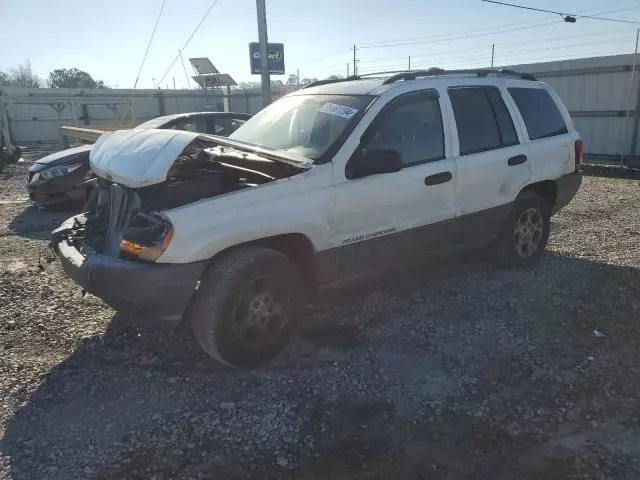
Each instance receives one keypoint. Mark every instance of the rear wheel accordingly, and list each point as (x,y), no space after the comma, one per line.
(524,235)
(247,306)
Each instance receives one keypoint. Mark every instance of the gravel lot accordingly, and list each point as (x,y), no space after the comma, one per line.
(435,372)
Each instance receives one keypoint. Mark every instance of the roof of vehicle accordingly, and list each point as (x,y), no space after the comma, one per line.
(377,83)
(158,121)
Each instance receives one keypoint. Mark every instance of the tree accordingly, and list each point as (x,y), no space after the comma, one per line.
(292,81)
(23,76)
(307,81)
(73,78)
(5,79)
(334,77)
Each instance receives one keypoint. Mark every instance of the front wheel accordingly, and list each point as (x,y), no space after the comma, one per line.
(524,235)
(247,306)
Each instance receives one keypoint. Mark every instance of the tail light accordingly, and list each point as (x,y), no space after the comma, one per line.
(579,153)
(146,237)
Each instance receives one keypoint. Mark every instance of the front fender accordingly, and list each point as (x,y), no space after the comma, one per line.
(196,241)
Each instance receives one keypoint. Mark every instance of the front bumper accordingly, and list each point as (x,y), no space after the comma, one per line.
(566,186)
(160,292)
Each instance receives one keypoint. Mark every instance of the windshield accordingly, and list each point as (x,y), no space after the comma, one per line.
(305,124)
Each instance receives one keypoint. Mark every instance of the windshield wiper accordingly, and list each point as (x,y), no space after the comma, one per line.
(289,158)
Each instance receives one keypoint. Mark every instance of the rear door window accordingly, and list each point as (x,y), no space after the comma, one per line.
(539,112)
(482,118)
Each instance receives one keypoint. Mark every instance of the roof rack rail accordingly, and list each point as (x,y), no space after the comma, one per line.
(327,81)
(480,72)
(379,74)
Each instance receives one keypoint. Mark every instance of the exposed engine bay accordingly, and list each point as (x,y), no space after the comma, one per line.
(203,171)
(121,219)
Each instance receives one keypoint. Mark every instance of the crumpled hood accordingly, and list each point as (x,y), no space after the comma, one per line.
(138,158)
(65,156)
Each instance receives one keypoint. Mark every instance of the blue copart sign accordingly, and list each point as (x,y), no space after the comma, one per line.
(276,58)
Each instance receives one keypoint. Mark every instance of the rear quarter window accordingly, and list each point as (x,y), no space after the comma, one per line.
(539,112)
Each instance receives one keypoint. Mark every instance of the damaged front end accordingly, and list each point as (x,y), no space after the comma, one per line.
(112,250)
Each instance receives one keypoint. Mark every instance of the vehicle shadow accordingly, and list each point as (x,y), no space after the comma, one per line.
(36,223)
(144,402)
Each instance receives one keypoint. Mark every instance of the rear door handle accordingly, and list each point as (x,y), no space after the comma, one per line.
(438,178)
(517,160)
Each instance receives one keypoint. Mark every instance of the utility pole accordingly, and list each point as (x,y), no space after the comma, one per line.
(493,51)
(298,77)
(409,62)
(264,52)
(347,69)
(636,118)
(355,67)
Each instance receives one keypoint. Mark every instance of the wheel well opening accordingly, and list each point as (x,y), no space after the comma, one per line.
(546,189)
(297,247)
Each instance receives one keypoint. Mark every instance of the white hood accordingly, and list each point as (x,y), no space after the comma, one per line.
(138,158)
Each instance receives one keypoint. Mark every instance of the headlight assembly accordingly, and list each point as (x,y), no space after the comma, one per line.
(147,237)
(58,171)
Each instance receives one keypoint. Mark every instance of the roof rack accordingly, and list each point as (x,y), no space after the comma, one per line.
(481,72)
(397,75)
(327,81)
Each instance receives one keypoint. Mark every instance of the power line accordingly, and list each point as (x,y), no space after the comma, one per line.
(184,69)
(483,47)
(204,17)
(464,37)
(473,58)
(448,37)
(634,4)
(523,42)
(571,18)
(149,44)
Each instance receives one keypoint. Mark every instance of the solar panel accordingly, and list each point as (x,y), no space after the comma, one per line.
(203,65)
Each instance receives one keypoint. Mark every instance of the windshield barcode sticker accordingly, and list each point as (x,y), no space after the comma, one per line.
(338,110)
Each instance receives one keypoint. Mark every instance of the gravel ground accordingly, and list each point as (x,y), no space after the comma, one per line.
(439,372)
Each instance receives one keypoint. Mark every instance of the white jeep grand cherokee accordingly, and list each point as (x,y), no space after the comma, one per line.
(336,179)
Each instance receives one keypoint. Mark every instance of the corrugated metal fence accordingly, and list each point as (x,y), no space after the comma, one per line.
(36,114)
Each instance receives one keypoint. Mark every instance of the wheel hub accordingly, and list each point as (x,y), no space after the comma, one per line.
(260,312)
(528,232)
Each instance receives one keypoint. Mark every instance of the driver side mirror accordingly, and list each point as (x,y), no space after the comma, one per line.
(374,162)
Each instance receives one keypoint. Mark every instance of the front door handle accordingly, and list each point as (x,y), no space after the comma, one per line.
(517,160)
(438,178)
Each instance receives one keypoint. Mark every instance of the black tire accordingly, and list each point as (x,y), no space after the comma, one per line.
(510,248)
(224,317)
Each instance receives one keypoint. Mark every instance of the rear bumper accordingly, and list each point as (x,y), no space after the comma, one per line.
(567,186)
(159,292)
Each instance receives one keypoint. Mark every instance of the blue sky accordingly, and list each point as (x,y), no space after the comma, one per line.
(108,38)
